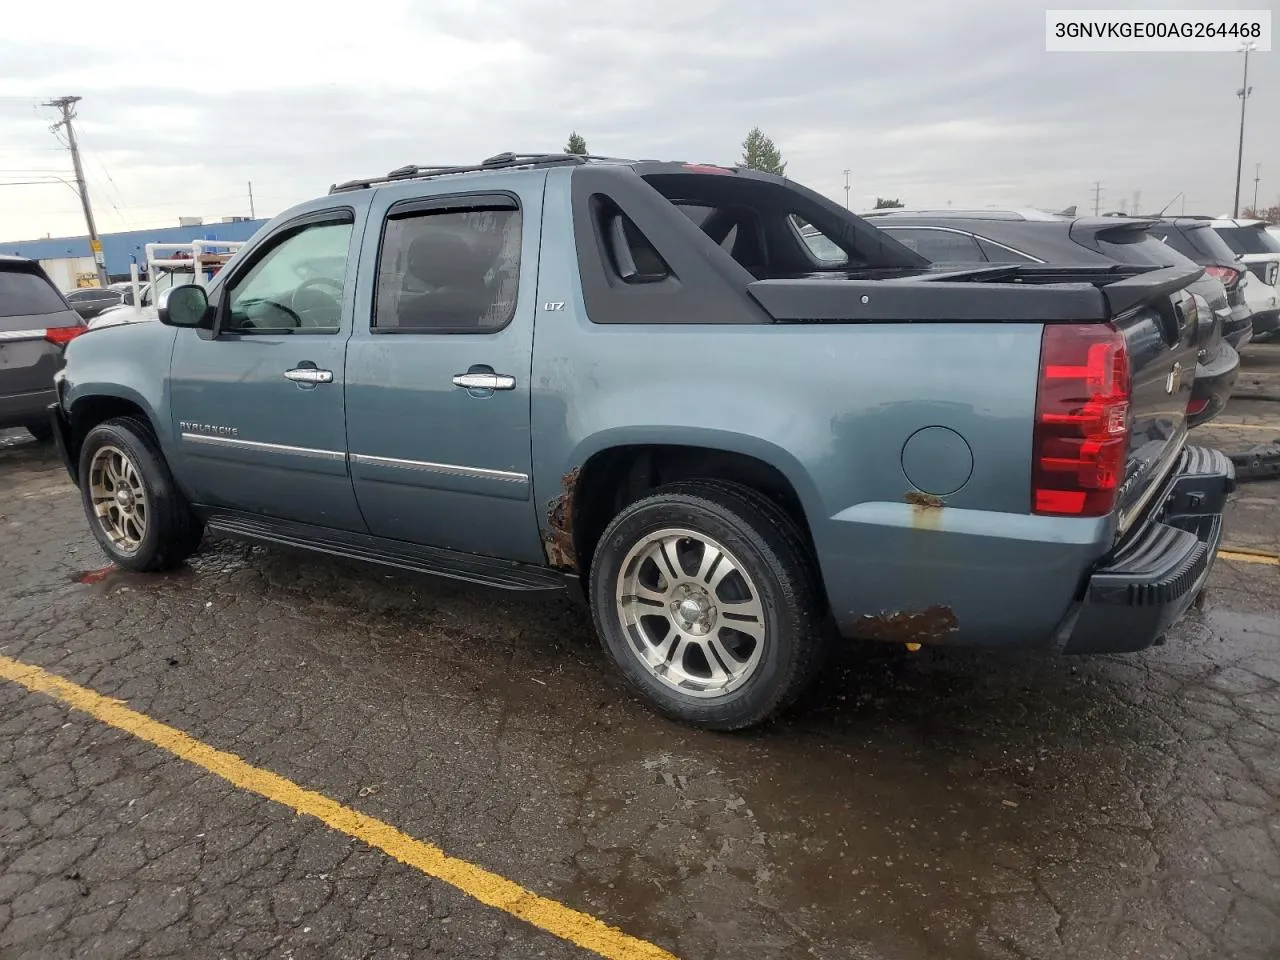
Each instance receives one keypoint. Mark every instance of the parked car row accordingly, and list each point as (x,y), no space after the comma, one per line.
(1237,292)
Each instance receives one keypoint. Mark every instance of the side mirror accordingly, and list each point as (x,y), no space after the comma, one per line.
(185,306)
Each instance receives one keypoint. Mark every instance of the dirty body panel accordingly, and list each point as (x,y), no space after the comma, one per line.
(978,568)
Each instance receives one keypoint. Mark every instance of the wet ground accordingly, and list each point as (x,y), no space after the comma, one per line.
(932,805)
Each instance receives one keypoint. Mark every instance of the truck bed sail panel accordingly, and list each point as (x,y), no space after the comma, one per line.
(1124,295)
(875,301)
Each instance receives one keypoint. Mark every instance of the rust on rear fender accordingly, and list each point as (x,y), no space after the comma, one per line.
(903,626)
(557,539)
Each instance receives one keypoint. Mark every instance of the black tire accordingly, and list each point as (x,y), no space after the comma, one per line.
(173,531)
(770,551)
(41,431)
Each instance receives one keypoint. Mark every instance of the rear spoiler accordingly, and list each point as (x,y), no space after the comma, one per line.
(1030,293)
(1123,295)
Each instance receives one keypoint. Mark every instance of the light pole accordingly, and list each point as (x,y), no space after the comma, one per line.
(1243,94)
(846,189)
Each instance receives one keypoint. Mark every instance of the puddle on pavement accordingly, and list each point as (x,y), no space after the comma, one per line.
(94,576)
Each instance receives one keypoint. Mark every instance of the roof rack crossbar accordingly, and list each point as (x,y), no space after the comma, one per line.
(501,161)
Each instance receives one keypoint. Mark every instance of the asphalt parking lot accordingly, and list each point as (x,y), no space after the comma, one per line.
(943,804)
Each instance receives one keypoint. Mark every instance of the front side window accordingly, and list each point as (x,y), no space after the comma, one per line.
(448,271)
(938,246)
(296,287)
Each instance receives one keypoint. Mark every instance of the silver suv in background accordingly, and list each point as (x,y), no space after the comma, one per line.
(36,324)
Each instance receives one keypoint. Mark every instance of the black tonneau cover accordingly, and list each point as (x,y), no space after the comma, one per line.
(1020,293)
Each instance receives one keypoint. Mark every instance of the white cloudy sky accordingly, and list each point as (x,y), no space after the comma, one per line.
(928,100)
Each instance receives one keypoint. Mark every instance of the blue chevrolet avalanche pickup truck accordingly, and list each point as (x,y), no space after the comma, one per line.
(742,419)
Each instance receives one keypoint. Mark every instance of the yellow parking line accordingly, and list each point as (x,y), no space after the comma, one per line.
(489,888)
(1246,557)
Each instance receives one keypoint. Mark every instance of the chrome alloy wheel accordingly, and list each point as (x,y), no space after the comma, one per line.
(119,499)
(692,616)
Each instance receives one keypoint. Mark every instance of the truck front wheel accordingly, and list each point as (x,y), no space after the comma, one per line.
(703,598)
(134,508)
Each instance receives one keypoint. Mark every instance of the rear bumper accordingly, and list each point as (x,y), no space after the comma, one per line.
(62,437)
(21,409)
(1239,329)
(1136,593)
(1266,322)
(1214,382)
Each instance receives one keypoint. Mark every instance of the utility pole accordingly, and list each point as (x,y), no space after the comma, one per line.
(846,189)
(1097,197)
(1243,94)
(67,106)
(252,216)
(1137,196)
(1257,175)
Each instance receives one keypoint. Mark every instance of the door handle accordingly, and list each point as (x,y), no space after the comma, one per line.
(309,375)
(484,381)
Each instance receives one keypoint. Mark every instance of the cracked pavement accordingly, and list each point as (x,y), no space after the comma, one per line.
(944,804)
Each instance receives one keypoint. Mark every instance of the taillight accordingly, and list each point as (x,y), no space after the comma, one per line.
(63,335)
(1195,407)
(1082,421)
(1227,276)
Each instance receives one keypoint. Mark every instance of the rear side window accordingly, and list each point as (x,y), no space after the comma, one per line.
(938,246)
(27,294)
(997,253)
(1248,239)
(820,246)
(632,257)
(448,271)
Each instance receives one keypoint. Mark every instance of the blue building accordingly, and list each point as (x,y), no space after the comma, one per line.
(121,249)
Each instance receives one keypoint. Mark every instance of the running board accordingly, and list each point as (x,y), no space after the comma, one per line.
(435,561)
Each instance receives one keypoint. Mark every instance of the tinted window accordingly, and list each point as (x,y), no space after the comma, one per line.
(449,272)
(1209,244)
(27,294)
(297,287)
(938,246)
(1141,249)
(998,254)
(1248,239)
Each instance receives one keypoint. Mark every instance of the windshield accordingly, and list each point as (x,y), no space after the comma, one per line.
(25,294)
(1248,239)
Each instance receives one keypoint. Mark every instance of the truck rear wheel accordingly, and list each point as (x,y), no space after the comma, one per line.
(705,601)
(135,510)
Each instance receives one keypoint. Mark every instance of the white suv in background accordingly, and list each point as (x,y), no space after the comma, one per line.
(1259,250)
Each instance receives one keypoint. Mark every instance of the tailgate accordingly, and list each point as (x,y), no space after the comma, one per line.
(1160,324)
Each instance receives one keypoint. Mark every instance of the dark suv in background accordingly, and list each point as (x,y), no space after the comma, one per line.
(91,301)
(1033,236)
(36,323)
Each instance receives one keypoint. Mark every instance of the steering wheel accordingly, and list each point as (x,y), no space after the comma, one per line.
(326,303)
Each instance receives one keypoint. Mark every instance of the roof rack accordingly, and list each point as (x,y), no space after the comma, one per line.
(501,161)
